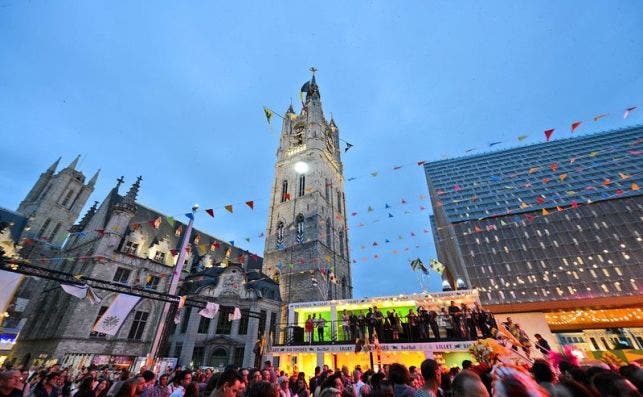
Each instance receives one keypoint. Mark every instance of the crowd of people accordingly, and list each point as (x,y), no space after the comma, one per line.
(429,380)
(452,322)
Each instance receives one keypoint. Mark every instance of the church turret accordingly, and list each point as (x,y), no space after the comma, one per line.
(55,202)
(92,182)
(306,234)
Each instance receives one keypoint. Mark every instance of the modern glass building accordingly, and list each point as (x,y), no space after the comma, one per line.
(560,220)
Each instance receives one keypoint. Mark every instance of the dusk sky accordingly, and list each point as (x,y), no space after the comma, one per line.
(173,91)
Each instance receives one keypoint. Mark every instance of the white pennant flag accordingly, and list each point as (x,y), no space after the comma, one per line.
(211,309)
(235,315)
(115,316)
(79,291)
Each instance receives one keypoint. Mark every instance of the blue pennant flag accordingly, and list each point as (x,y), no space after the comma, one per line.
(387,206)
(231,242)
(190,215)
(390,215)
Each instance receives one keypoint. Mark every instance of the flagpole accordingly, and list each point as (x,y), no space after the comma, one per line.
(174,283)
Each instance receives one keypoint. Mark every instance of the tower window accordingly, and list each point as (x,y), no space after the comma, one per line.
(302,185)
(300,229)
(339,201)
(284,191)
(327,190)
(341,243)
(279,237)
(55,231)
(44,227)
(65,201)
(328,234)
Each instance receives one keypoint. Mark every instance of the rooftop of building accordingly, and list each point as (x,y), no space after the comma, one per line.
(589,168)
(263,285)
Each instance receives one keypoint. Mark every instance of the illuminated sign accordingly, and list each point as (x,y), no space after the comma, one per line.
(388,347)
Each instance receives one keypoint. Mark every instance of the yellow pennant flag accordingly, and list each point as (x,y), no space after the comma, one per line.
(522,137)
(229,208)
(268,113)
(202,248)
(524,205)
(562,177)
(327,257)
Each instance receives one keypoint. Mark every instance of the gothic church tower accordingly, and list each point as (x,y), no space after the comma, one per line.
(54,202)
(306,240)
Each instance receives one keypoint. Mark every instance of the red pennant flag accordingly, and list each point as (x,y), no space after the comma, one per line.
(559,208)
(575,125)
(574,204)
(548,134)
(477,229)
(101,232)
(287,196)
(251,204)
(421,162)
(554,166)
(210,212)
(619,192)
(174,252)
(545,180)
(530,217)
(606,182)
(229,208)
(156,223)
(135,226)
(540,200)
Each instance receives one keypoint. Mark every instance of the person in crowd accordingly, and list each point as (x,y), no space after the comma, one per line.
(85,389)
(184,378)
(284,387)
(301,389)
(431,373)
(229,384)
(510,381)
(262,389)
(192,390)
(399,375)
(358,383)
(542,345)
(321,324)
(543,375)
(432,320)
(469,325)
(346,326)
(456,317)
(370,322)
(314,381)
(330,392)
(411,320)
(309,327)
(445,321)
(124,376)
(361,326)
(468,384)
(9,382)
(161,389)
(352,323)
(48,387)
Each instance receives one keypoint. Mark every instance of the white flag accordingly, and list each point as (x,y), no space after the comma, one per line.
(92,297)
(116,314)
(211,309)
(235,315)
(77,290)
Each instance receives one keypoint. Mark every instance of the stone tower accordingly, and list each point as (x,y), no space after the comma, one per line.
(306,240)
(54,202)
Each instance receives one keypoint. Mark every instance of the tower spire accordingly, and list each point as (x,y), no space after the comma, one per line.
(92,182)
(52,167)
(74,163)
(130,197)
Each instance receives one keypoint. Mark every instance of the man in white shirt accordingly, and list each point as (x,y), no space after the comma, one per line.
(185,378)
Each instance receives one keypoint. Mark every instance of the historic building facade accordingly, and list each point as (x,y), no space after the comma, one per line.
(124,242)
(307,237)
(220,341)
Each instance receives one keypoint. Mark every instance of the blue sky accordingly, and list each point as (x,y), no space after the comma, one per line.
(174,91)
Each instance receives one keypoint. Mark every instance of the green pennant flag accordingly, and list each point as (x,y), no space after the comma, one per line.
(170,220)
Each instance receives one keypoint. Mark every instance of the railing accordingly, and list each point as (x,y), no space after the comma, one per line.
(335,332)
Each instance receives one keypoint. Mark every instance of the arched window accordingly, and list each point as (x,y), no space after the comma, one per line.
(55,231)
(339,201)
(44,227)
(329,236)
(67,198)
(299,237)
(302,185)
(284,191)
(327,190)
(344,295)
(279,236)
(341,243)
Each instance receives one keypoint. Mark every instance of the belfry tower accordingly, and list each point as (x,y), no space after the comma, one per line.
(306,240)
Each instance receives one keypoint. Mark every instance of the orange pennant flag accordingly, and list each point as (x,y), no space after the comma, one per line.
(229,208)
(477,229)
(545,212)
(562,177)
(554,166)
(545,180)
(635,187)
(606,182)
(575,125)
(250,204)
